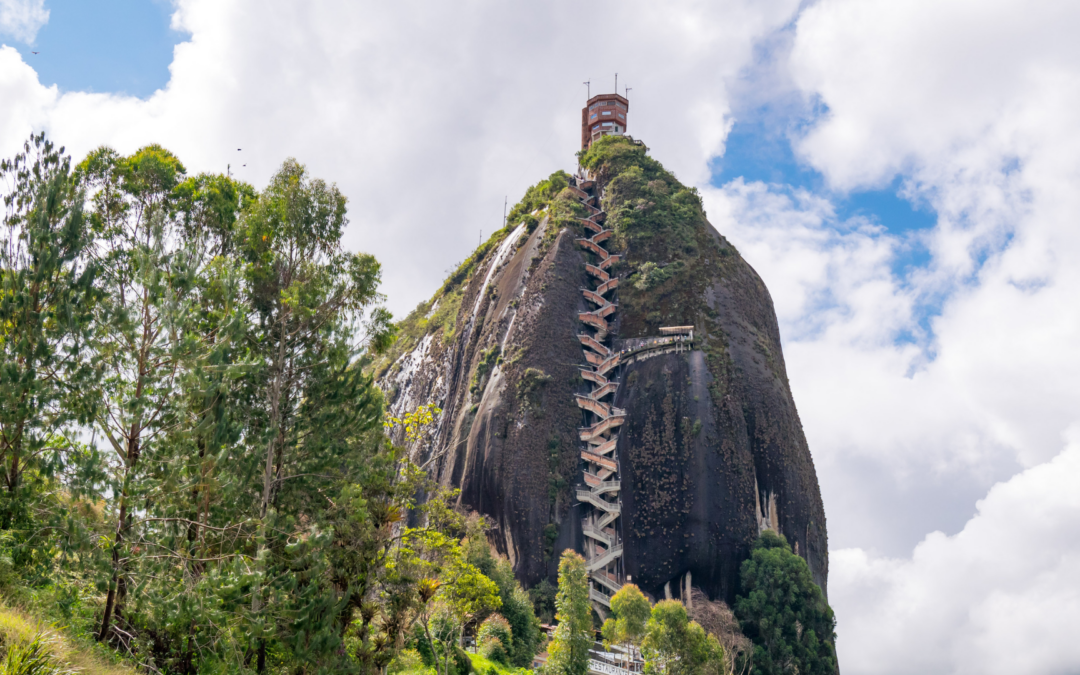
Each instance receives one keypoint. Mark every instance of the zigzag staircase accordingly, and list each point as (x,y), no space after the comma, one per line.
(600,494)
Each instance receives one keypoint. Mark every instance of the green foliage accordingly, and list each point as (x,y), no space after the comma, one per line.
(660,227)
(543,598)
(407,661)
(198,446)
(674,645)
(489,358)
(537,197)
(530,385)
(495,639)
(523,639)
(650,275)
(631,610)
(783,612)
(568,652)
(46,295)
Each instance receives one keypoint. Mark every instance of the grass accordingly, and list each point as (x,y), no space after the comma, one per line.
(17,627)
(485,666)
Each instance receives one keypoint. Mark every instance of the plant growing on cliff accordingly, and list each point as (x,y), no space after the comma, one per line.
(784,612)
(568,653)
(489,358)
(538,197)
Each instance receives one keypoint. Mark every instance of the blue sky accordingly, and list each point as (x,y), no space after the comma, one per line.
(759,148)
(108,46)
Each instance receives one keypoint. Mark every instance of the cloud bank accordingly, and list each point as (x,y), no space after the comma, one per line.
(924,389)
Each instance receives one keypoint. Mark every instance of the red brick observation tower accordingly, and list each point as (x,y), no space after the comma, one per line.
(603,115)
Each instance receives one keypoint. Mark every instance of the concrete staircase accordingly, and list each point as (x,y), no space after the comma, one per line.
(601,525)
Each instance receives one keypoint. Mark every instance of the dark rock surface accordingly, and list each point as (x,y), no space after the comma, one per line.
(713,449)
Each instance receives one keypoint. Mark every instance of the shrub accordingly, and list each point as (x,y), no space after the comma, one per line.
(495,638)
(407,661)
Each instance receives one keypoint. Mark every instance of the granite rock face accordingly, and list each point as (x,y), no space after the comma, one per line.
(712,450)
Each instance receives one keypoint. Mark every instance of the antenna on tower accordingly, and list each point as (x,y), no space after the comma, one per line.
(588,89)
(628,90)
(616,84)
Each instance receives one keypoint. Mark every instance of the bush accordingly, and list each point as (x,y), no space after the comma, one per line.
(407,661)
(495,638)
(494,649)
(462,662)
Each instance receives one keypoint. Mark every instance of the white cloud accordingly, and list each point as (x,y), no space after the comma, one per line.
(22,19)
(426,115)
(975,109)
(1001,596)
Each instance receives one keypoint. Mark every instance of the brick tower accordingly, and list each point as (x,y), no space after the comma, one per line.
(604,114)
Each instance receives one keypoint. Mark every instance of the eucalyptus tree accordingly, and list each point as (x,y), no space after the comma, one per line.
(46,291)
(675,645)
(141,340)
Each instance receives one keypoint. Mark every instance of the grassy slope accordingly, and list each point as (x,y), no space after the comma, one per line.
(18,626)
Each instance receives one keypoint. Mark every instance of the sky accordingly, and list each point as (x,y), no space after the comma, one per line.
(903,176)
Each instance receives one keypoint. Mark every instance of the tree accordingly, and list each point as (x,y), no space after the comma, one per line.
(675,645)
(450,591)
(631,610)
(784,612)
(141,339)
(307,295)
(568,653)
(46,296)
(495,638)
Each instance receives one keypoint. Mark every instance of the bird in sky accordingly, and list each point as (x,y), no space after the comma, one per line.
(35,52)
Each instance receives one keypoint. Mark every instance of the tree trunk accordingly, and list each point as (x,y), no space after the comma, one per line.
(114,582)
(116,588)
